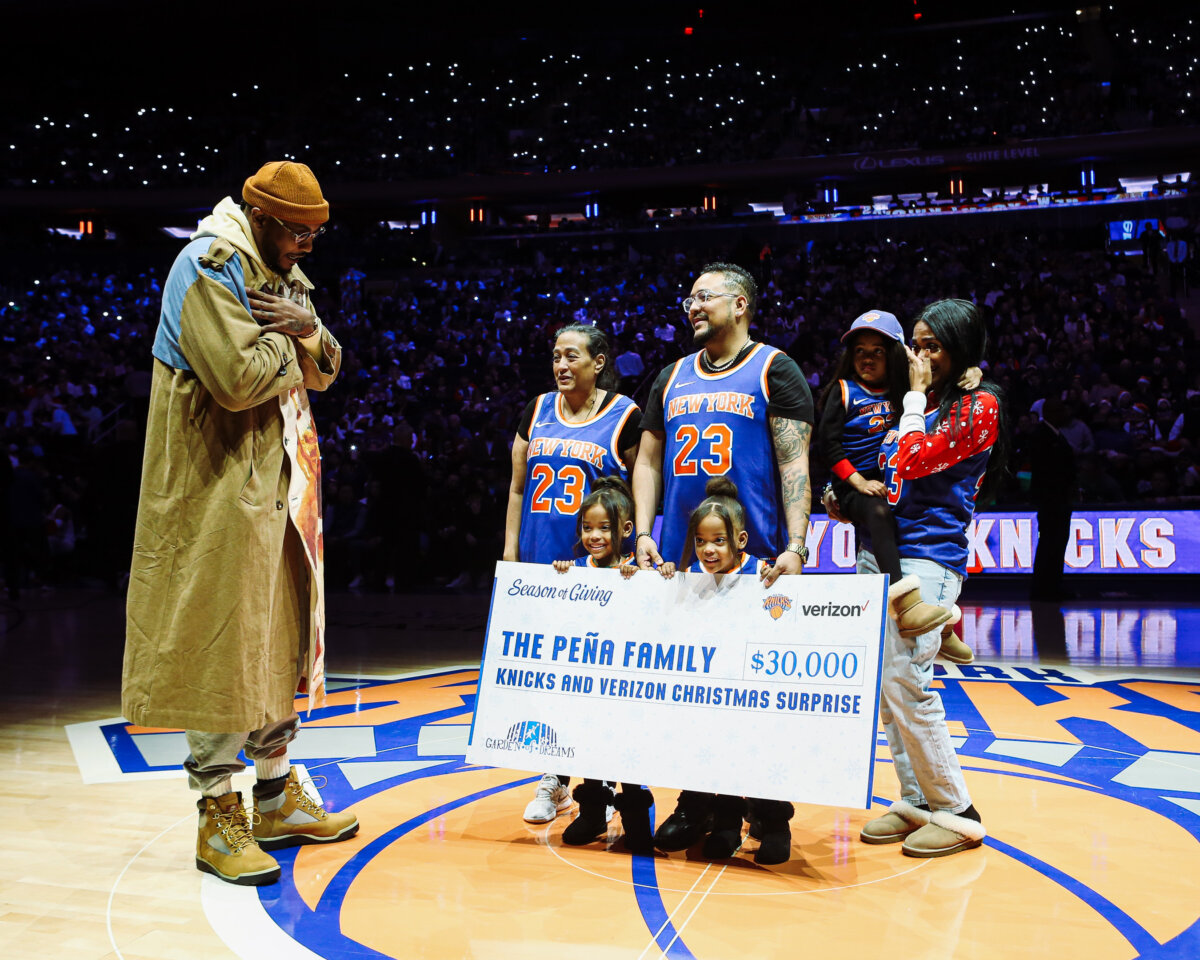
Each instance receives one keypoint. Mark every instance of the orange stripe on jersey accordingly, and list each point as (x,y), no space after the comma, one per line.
(621,561)
(574,424)
(615,443)
(670,382)
(537,413)
(762,379)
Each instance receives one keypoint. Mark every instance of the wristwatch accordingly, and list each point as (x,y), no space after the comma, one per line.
(799,549)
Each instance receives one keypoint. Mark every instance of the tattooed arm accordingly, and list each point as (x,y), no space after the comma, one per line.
(791,439)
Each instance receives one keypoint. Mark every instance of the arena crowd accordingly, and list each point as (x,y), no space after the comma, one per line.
(540,107)
(439,362)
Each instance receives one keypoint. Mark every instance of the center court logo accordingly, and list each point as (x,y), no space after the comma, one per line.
(531,736)
(417,798)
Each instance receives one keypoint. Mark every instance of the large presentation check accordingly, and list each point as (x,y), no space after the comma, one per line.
(726,687)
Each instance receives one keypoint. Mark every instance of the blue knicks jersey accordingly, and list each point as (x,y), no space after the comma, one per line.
(562,461)
(715,424)
(868,415)
(933,512)
(590,561)
(746,564)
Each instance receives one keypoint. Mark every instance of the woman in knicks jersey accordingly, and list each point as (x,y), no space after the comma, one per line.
(565,440)
(949,444)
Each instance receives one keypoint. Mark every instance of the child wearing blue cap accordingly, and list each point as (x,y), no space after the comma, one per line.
(859,405)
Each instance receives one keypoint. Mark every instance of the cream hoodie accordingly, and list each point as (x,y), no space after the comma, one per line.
(229,223)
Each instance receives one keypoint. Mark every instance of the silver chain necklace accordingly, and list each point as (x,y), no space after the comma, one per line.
(717,368)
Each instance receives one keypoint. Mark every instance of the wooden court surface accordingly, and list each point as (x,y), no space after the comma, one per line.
(1078,729)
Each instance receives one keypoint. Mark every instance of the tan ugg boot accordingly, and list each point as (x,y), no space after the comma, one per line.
(292,818)
(901,819)
(912,614)
(944,834)
(953,648)
(225,845)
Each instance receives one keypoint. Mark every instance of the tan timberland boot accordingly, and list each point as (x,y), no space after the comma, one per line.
(225,845)
(292,818)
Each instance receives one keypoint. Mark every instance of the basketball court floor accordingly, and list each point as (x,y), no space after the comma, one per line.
(1078,728)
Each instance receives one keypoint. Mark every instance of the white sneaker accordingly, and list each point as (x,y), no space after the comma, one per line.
(549,800)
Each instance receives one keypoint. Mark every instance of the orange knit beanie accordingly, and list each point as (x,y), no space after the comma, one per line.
(288,191)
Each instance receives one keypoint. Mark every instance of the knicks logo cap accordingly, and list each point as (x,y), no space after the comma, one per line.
(881,322)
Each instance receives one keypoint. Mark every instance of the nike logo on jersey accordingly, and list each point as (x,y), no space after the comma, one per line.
(682,383)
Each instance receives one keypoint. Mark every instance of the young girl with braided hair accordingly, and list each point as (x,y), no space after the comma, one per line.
(604,523)
(716,535)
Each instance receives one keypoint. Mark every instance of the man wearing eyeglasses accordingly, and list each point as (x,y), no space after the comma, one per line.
(225,612)
(735,408)
(742,410)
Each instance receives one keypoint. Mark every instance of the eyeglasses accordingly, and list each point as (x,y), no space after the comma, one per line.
(702,296)
(302,235)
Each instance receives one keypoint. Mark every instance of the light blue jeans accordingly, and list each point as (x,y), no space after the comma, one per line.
(912,714)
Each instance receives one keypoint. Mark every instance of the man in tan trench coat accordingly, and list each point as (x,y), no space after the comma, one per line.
(225,617)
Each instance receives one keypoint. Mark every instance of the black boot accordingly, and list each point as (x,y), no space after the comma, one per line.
(634,803)
(775,841)
(591,823)
(690,821)
(726,836)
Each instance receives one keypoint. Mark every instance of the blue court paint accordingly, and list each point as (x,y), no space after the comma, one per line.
(1130,929)
(651,906)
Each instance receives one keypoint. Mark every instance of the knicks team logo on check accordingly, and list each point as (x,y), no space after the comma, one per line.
(531,736)
(777,605)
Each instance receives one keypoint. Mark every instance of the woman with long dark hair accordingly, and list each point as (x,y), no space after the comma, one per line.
(948,446)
